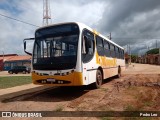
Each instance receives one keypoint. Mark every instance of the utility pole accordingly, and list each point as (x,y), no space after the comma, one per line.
(110,36)
(128,49)
(159,55)
(130,54)
(46,13)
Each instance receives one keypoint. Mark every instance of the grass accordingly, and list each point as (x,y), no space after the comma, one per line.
(106,118)
(148,103)
(7,82)
(59,109)
(104,89)
(128,118)
(137,118)
(129,108)
(132,88)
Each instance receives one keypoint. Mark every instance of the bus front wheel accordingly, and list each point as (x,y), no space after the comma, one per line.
(99,79)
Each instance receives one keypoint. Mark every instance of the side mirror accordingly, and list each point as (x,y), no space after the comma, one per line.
(25,45)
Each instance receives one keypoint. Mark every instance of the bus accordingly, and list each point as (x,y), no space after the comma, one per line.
(73,54)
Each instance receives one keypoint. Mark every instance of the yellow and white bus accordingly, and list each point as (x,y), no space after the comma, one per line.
(73,54)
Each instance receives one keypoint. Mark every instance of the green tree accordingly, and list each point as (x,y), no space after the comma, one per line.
(133,58)
(153,51)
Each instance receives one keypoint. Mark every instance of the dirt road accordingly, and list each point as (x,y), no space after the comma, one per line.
(142,69)
(137,89)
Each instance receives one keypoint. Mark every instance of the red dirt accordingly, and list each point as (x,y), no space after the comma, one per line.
(137,89)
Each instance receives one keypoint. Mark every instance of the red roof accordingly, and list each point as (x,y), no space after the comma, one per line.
(8,55)
(16,58)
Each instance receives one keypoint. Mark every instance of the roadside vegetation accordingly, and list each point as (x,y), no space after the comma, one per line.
(59,108)
(153,51)
(7,82)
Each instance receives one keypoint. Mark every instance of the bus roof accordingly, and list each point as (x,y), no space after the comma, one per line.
(82,26)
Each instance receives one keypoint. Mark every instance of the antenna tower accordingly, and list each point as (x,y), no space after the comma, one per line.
(46,13)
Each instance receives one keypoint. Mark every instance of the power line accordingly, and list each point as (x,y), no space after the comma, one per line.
(134,38)
(18,20)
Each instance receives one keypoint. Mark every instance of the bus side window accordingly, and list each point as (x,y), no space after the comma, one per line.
(112,48)
(106,48)
(122,54)
(117,52)
(99,44)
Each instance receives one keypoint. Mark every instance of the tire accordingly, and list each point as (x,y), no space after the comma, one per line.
(24,72)
(99,79)
(119,72)
(10,72)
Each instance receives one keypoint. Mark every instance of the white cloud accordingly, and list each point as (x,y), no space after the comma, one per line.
(13,32)
(89,13)
(123,18)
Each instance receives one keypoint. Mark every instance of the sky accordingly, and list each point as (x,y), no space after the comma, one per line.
(131,22)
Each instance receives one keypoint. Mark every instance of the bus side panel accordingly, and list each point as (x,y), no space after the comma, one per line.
(106,73)
(89,72)
(109,65)
(92,76)
(110,72)
(121,63)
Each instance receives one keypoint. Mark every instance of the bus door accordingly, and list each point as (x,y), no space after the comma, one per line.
(88,48)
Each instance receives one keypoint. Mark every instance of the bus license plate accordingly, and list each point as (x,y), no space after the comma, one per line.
(51,80)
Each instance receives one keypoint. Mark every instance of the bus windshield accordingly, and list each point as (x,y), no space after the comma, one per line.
(55,47)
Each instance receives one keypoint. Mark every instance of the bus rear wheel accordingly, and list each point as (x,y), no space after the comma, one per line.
(99,79)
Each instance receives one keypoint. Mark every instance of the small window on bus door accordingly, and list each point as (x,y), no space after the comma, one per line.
(87,46)
(99,44)
(106,48)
